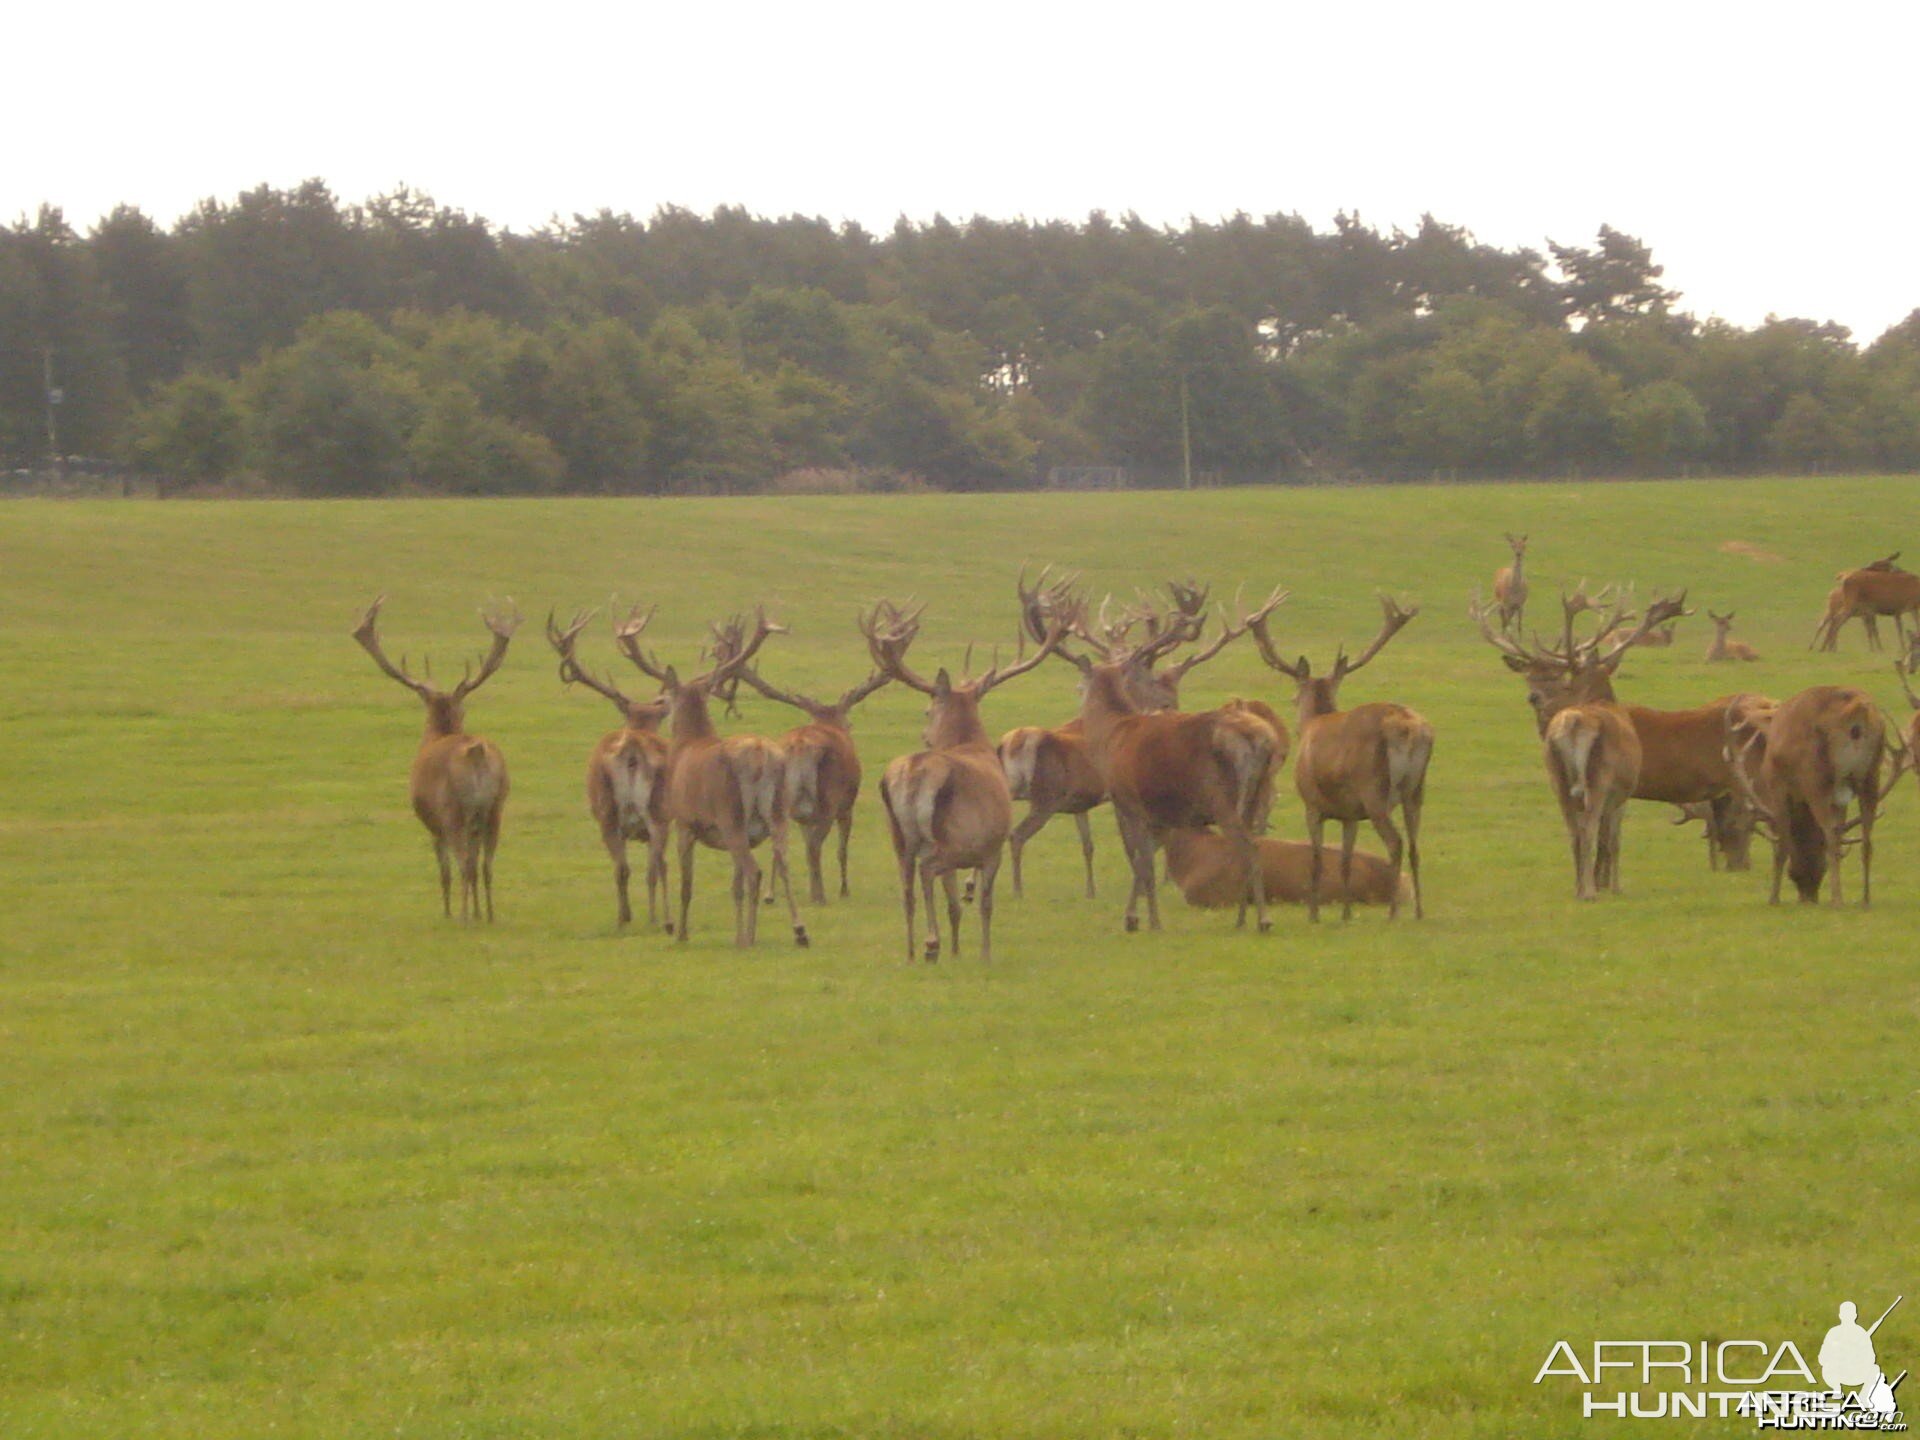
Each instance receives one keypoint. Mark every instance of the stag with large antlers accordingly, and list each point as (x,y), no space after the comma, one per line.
(1594,751)
(1358,764)
(458,781)
(725,793)
(1051,768)
(823,771)
(943,805)
(948,806)
(1803,765)
(1683,752)
(1510,584)
(1168,770)
(626,774)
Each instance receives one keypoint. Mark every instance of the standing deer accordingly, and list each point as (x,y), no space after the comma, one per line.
(823,772)
(1683,752)
(626,775)
(1510,584)
(1358,764)
(1723,648)
(1804,764)
(1867,594)
(727,794)
(1052,769)
(1166,770)
(458,781)
(948,806)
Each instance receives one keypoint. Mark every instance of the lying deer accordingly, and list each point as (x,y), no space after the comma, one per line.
(458,781)
(725,793)
(1359,764)
(948,806)
(626,775)
(1723,648)
(1204,864)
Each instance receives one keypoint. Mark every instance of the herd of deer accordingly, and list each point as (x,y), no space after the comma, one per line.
(1196,785)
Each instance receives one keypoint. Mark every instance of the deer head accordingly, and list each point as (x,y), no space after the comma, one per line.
(953,708)
(446,709)
(1577,671)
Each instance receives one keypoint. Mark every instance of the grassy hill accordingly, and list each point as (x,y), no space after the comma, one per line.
(287,1153)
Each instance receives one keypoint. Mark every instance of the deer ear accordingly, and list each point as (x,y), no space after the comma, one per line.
(1306,670)
(671,679)
(942,684)
(1516,664)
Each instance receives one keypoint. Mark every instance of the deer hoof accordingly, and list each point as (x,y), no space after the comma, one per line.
(932,953)
(1133,923)
(1266,927)
(800,936)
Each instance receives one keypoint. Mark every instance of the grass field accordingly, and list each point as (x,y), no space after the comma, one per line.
(285,1153)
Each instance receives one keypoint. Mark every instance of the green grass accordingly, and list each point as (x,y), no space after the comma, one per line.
(287,1154)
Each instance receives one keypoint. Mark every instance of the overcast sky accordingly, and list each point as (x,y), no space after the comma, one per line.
(1769,162)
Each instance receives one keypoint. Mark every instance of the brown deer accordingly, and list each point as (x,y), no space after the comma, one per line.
(458,781)
(1683,752)
(1803,764)
(1510,584)
(626,775)
(724,793)
(1724,648)
(948,806)
(1168,770)
(823,772)
(1204,865)
(1358,764)
(1051,769)
(1866,595)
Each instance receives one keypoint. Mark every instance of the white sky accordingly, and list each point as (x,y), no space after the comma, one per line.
(1766,155)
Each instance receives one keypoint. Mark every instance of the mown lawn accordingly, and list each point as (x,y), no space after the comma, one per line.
(285,1153)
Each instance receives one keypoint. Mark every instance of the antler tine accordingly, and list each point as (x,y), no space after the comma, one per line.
(1503,640)
(1904,669)
(572,672)
(741,650)
(627,636)
(1394,620)
(1063,614)
(889,647)
(1229,632)
(501,623)
(367,634)
(1658,613)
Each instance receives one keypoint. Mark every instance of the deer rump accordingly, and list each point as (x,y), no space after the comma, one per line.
(1192,771)
(753,773)
(1050,764)
(627,771)
(1203,864)
(934,809)
(820,769)
(463,771)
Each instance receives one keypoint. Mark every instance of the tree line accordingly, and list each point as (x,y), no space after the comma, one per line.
(398,344)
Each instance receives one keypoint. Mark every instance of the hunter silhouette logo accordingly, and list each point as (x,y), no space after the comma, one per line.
(1767,1381)
(1847,1361)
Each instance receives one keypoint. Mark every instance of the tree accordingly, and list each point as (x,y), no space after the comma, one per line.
(1616,278)
(191,430)
(1659,425)
(460,449)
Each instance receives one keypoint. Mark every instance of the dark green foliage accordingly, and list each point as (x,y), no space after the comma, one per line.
(687,352)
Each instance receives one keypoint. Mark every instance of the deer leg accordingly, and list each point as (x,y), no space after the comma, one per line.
(686,878)
(1349,832)
(1129,842)
(906,895)
(1149,854)
(845,825)
(1779,867)
(656,871)
(1872,623)
(1029,826)
(1410,811)
(933,915)
(1316,841)
(1592,828)
(616,843)
(1086,847)
(470,879)
(750,874)
(987,873)
(950,882)
(814,836)
(488,844)
(1389,834)
(1616,816)
(446,877)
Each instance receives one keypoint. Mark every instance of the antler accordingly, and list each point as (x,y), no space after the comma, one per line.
(572,672)
(627,636)
(1664,609)
(502,623)
(889,631)
(1904,669)
(731,652)
(1062,613)
(1229,632)
(369,639)
(1395,619)
(1514,650)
